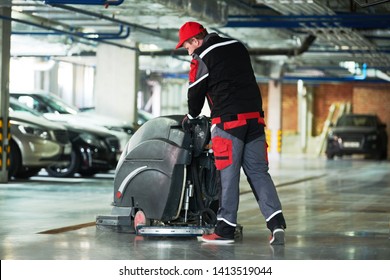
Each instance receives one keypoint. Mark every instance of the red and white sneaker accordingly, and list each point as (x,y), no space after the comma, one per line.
(277,237)
(216,239)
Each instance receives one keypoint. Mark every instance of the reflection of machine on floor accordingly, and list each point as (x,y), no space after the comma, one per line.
(165,182)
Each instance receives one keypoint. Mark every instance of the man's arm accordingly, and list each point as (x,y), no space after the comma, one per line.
(198,79)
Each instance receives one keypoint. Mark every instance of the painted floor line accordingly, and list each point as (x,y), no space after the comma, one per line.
(68,228)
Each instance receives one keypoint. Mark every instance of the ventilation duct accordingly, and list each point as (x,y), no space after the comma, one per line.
(207,11)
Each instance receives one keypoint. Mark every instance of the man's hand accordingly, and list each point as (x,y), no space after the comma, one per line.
(185,123)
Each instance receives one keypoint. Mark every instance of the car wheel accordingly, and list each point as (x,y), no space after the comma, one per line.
(385,154)
(384,149)
(329,155)
(15,160)
(25,173)
(61,171)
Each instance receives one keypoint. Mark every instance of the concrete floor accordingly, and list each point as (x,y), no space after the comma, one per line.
(335,210)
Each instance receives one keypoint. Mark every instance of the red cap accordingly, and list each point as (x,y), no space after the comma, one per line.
(187,31)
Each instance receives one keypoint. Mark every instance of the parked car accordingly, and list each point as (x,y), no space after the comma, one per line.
(93,149)
(142,115)
(357,134)
(56,109)
(35,144)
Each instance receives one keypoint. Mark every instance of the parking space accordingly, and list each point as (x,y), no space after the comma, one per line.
(335,209)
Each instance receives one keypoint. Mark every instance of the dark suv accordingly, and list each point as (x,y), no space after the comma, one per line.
(357,134)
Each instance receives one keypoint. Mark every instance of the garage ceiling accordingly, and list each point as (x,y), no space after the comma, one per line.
(314,40)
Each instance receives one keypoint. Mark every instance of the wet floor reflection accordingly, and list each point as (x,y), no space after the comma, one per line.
(334,210)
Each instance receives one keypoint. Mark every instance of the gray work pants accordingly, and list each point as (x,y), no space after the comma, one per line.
(252,156)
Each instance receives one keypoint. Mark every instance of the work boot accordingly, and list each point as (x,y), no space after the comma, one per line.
(277,237)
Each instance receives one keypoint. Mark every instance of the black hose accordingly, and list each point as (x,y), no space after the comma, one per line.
(209,216)
(197,185)
(210,184)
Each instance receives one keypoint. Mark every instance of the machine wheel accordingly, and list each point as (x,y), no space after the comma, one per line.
(140,220)
(88,173)
(69,170)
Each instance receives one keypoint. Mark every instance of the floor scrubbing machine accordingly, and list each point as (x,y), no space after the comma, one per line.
(165,182)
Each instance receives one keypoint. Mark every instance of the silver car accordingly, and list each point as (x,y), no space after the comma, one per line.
(56,109)
(35,144)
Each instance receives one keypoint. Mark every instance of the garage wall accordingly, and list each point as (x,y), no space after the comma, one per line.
(372,98)
(289,107)
(364,98)
(324,96)
(367,98)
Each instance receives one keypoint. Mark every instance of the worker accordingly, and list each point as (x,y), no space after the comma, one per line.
(221,72)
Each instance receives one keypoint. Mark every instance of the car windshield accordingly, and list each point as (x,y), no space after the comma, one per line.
(58,105)
(356,121)
(47,103)
(16,106)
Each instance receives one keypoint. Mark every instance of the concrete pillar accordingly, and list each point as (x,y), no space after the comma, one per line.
(274,118)
(5,45)
(53,79)
(78,85)
(43,74)
(116,82)
(305,114)
(174,97)
(302,115)
(153,105)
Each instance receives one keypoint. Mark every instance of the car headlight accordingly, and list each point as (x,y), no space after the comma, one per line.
(333,136)
(114,128)
(372,137)
(128,130)
(91,139)
(34,130)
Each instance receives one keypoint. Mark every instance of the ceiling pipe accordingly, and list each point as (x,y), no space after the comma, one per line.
(375,78)
(107,35)
(87,35)
(366,73)
(206,10)
(378,74)
(74,34)
(253,52)
(85,2)
(365,5)
(310,21)
(154,32)
(321,80)
(361,77)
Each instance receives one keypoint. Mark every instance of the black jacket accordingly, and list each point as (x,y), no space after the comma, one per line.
(221,70)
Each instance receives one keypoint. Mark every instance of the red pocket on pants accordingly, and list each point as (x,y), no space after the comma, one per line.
(223,154)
